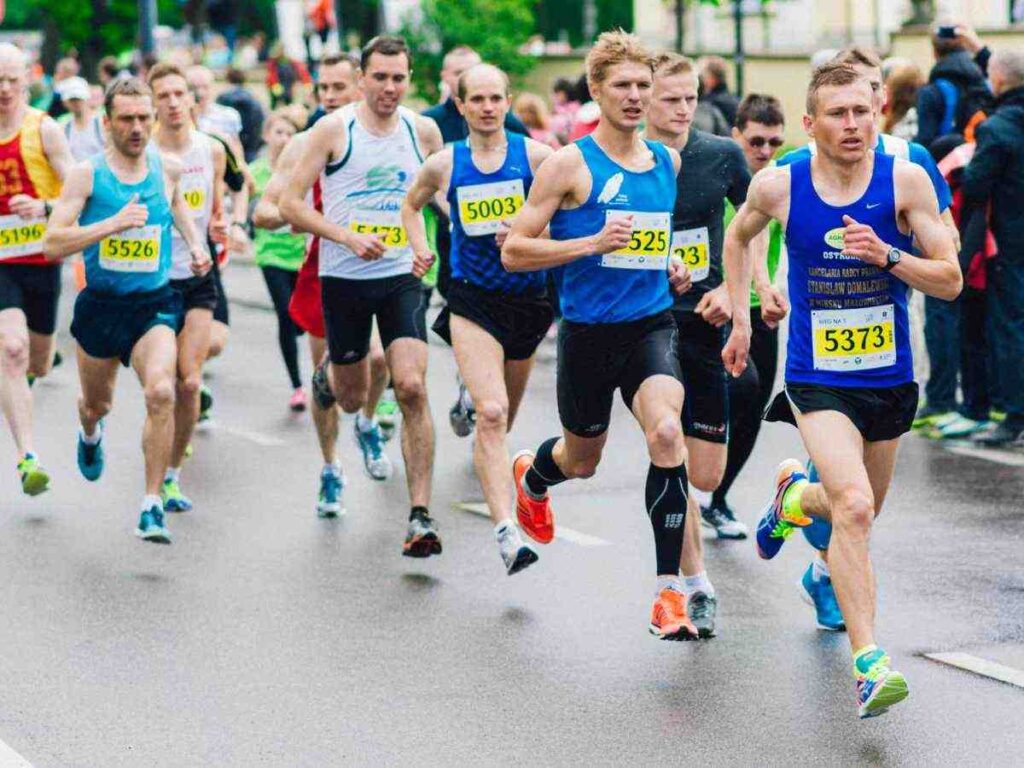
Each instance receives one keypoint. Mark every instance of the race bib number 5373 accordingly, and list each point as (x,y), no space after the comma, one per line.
(648,243)
(854,339)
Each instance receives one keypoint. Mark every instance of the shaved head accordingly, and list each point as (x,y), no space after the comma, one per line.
(481,75)
(12,54)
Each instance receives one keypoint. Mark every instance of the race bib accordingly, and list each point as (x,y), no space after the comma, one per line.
(690,246)
(482,207)
(20,237)
(854,339)
(134,250)
(387,225)
(649,245)
(195,198)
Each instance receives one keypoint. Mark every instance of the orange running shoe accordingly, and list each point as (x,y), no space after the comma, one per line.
(668,617)
(534,516)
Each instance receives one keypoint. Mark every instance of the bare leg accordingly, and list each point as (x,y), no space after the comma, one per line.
(15,395)
(219,333)
(154,359)
(97,377)
(193,346)
(378,375)
(407,359)
(325,422)
(705,468)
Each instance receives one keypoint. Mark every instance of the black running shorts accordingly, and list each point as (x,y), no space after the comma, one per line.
(35,290)
(706,406)
(882,413)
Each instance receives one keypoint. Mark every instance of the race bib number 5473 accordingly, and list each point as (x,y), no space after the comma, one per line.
(648,243)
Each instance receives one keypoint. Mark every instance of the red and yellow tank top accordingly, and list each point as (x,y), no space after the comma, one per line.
(24,170)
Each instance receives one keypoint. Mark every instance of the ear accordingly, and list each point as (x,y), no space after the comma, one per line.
(459,105)
(809,125)
(736,133)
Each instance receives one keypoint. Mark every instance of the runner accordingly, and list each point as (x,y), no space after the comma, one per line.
(337,85)
(202,162)
(849,372)
(609,199)
(34,158)
(712,170)
(366,156)
(494,320)
(128,312)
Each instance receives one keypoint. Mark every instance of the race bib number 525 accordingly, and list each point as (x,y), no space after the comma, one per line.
(648,243)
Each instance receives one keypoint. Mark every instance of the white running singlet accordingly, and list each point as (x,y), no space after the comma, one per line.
(197,187)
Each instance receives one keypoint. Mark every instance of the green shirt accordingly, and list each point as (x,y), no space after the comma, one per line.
(280,247)
(775,236)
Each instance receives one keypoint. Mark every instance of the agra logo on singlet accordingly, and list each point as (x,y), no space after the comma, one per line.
(834,238)
(385,177)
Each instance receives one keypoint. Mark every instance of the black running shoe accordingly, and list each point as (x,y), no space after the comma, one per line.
(422,539)
(701,608)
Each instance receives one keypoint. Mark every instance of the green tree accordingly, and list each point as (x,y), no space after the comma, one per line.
(494,28)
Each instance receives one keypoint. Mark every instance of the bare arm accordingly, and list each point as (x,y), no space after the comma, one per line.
(182,217)
(238,231)
(266,215)
(428,182)
(429,136)
(55,147)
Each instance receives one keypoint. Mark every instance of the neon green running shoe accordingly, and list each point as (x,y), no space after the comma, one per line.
(34,479)
(172,497)
(387,414)
(880,687)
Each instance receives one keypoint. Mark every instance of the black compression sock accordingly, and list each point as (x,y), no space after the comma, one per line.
(418,512)
(666,507)
(545,472)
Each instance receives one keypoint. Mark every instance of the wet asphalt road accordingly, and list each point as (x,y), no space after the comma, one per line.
(267,637)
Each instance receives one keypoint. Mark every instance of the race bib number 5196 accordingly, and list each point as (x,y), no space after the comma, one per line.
(648,243)
(20,237)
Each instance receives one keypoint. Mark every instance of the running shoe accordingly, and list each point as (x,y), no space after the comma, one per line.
(387,414)
(90,458)
(927,416)
(776,525)
(422,539)
(879,688)
(371,442)
(534,515)
(297,402)
(463,415)
(933,431)
(328,503)
(668,617)
(722,519)
(172,497)
(205,406)
(515,553)
(34,479)
(1003,434)
(702,608)
(321,387)
(821,595)
(151,526)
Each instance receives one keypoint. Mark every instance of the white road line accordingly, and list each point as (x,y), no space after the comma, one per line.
(253,437)
(1009,458)
(11,759)
(981,667)
(561,532)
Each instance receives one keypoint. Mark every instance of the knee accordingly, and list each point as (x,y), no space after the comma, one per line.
(94,411)
(378,366)
(582,468)
(492,417)
(159,396)
(15,353)
(706,478)
(853,510)
(665,436)
(411,393)
(189,386)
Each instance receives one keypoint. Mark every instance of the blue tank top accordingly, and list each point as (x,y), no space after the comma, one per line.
(479,201)
(630,284)
(138,259)
(848,326)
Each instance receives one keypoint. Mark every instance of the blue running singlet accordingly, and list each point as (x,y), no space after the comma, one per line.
(479,202)
(632,283)
(848,326)
(138,259)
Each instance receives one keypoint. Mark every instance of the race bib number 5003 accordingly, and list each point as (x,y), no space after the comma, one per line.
(854,339)
(20,237)
(134,250)
(648,245)
(482,207)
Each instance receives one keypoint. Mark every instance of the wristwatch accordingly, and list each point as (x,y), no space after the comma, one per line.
(892,259)
(47,208)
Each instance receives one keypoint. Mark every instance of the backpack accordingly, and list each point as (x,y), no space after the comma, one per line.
(965,107)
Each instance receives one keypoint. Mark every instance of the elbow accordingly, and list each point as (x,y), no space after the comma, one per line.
(955,284)
(287,208)
(50,250)
(509,258)
(260,218)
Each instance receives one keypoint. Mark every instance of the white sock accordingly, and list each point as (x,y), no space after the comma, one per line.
(668,582)
(150,501)
(698,583)
(502,527)
(819,569)
(95,437)
(173,474)
(333,467)
(364,424)
(703,498)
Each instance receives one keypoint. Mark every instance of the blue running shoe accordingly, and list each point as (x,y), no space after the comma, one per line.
(151,526)
(90,458)
(371,443)
(174,500)
(332,483)
(775,525)
(822,596)
(879,688)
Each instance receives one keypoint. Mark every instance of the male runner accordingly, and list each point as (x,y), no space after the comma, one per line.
(608,198)
(366,156)
(34,158)
(337,85)
(494,319)
(124,202)
(712,169)
(202,170)
(849,373)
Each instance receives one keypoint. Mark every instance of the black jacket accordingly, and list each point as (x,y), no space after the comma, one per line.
(453,125)
(996,174)
(961,70)
(727,103)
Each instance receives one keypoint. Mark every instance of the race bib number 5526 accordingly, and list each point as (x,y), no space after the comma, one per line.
(648,243)
(134,250)
(854,339)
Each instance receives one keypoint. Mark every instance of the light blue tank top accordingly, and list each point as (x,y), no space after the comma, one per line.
(628,285)
(848,325)
(136,260)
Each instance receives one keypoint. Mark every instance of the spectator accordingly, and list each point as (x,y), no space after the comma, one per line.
(533,112)
(716,88)
(995,177)
(565,104)
(956,96)
(108,70)
(84,131)
(242,101)
(902,84)
(213,116)
(446,115)
(66,68)
(282,75)
(320,20)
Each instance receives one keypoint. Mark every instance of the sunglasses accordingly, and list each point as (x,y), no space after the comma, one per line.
(759,141)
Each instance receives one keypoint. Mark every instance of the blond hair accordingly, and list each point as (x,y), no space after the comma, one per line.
(829,75)
(669,64)
(613,48)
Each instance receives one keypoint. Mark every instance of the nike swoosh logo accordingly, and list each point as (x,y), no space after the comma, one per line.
(869,206)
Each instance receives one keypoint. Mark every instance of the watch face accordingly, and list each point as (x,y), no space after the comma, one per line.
(894,256)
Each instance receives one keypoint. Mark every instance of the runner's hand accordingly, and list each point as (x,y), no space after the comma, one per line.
(861,241)
(366,247)
(421,264)
(201,261)
(774,306)
(679,277)
(134,214)
(715,306)
(27,207)
(736,349)
(504,227)
(218,229)
(238,239)
(616,234)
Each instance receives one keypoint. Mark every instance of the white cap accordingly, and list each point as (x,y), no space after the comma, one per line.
(74,88)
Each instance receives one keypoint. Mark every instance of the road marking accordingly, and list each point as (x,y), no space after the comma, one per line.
(981,667)
(561,532)
(11,759)
(254,437)
(1008,458)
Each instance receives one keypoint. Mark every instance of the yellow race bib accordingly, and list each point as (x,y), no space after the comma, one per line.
(854,339)
(690,246)
(482,207)
(134,250)
(20,237)
(387,225)
(648,245)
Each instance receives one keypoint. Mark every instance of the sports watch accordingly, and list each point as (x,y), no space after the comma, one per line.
(892,259)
